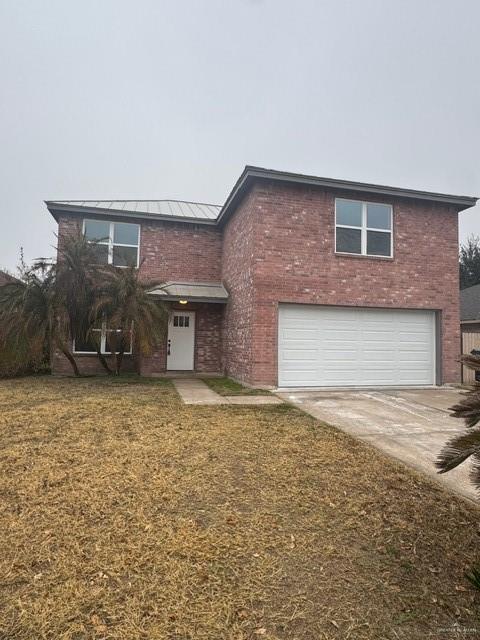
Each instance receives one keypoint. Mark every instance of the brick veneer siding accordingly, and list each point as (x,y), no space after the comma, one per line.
(291,241)
(168,251)
(89,364)
(237,274)
(178,251)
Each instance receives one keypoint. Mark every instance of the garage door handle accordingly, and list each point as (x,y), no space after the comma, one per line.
(169,344)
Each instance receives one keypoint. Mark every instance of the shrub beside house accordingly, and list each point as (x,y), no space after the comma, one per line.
(14,357)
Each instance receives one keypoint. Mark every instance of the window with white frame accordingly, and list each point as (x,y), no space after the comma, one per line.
(363,228)
(103,337)
(115,242)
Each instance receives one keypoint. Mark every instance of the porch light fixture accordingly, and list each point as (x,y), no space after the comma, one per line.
(183,301)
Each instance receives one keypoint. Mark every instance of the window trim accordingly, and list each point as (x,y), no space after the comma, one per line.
(103,342)
(111,244)
(364,230)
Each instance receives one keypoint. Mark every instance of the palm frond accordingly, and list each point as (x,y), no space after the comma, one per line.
(468,408)
(471,361)
(123,300)
(457,450)
(474,577)
(475,470)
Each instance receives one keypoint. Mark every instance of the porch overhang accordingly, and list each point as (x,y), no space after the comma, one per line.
(213,292)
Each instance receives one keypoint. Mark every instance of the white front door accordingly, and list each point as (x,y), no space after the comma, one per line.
(181,341)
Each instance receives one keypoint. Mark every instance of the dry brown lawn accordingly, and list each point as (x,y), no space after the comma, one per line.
(126,515)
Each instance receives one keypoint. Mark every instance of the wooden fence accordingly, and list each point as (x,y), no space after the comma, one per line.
(469,341)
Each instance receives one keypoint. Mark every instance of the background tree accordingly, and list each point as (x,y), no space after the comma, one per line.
(470,262)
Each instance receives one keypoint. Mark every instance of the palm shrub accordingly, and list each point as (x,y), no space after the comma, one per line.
(50,304)
(132,316)
(53,304)
(23,325)
(32,317)
(465,445)
(77,275)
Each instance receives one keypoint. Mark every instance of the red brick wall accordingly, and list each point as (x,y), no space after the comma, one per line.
(67,226)
(178,251)
(208,338)
(170,251)
(237,275)
(295,261)
(89,364)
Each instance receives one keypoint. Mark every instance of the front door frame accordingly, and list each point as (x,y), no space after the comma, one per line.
(171,338)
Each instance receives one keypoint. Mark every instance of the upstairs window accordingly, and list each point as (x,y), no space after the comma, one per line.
(115,242)
(363,228)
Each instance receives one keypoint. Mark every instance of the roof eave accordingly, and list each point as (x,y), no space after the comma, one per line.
(168,298)
(57,209)
(251,173)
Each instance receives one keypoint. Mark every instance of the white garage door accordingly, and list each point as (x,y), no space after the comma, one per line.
(340,346)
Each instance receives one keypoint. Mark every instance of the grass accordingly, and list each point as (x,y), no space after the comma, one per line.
(126,515)
(228,387)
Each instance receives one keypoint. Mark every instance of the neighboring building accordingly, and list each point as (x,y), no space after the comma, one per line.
(470,309)
(6,278)
(295,281)
(470,326)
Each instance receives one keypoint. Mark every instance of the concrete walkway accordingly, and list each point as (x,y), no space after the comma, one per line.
(195,391)
(410,425)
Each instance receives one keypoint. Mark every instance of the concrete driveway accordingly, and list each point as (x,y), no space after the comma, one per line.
(411,425)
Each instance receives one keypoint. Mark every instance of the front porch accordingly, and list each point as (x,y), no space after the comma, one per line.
(193,344)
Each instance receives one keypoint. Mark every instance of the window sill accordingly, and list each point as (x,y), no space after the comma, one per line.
(90,354)
(362,256)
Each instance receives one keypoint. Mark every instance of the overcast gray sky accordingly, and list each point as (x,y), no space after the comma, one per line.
(170,99)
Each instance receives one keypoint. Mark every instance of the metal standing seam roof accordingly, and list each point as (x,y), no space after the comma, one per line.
(178,209)
(196,291)
(197,212)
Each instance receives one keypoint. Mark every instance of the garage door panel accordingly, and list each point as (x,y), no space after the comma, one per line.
(300,378)
(339,334)
(298,351)
(341,346)
(413,335)
(413,355)
(339,342)
(300,334)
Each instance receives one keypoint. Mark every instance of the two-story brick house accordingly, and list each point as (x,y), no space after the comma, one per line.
(295,281)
